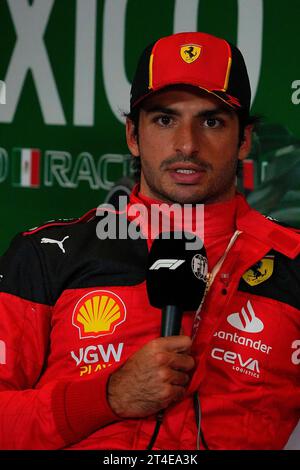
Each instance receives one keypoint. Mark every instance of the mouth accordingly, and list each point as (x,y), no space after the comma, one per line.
(186,173)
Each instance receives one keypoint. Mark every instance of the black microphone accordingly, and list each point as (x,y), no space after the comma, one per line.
(176,277)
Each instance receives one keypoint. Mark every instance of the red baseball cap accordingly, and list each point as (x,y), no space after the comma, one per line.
(197,59)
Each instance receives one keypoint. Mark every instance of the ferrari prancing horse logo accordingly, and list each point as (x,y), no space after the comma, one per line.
(190,52)
(260,272)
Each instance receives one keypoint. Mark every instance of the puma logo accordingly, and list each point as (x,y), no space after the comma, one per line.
(59,243)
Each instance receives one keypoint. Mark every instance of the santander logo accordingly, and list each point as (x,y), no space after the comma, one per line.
(246,320)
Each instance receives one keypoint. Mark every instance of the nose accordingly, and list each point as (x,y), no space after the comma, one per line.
(186,140)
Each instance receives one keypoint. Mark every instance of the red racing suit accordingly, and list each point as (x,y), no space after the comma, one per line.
(74,308)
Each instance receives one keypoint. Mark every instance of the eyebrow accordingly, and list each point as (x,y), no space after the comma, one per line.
(206,113)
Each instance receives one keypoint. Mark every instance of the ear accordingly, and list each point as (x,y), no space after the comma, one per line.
(245,146)
(131,138)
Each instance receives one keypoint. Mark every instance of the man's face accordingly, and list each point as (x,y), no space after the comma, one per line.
(188,142)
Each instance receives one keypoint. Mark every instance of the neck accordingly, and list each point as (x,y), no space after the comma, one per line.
(208,221)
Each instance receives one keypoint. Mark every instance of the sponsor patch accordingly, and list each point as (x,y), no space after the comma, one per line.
(59,243)
(200,267)
(246,320)
(260,272)
(190,52)
(98,313)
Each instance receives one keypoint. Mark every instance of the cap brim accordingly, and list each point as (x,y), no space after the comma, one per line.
(227,99)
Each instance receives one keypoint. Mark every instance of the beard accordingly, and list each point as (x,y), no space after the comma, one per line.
(215,186)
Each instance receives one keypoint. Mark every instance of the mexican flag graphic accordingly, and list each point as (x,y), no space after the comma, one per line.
(26,167)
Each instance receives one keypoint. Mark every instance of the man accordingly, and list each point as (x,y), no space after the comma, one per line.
(83,364)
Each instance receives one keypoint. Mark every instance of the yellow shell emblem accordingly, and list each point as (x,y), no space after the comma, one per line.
(98,313)
(260,272)
(190,52)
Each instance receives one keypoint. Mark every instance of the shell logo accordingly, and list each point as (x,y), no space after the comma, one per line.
(98,313)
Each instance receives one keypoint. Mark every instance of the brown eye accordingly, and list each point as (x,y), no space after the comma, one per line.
(211,122)
(164,120)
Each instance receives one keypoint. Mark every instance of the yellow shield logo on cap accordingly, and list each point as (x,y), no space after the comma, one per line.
(260,272)
(190,52)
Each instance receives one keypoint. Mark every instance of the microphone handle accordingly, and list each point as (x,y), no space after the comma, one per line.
(171,320)
(170,326)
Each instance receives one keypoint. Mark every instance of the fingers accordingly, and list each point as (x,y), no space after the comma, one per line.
(173,351)
(152,378)
(177,361)
(173,377)
(178,343)
(182,362)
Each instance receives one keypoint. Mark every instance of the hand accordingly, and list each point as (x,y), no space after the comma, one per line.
(152,378)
